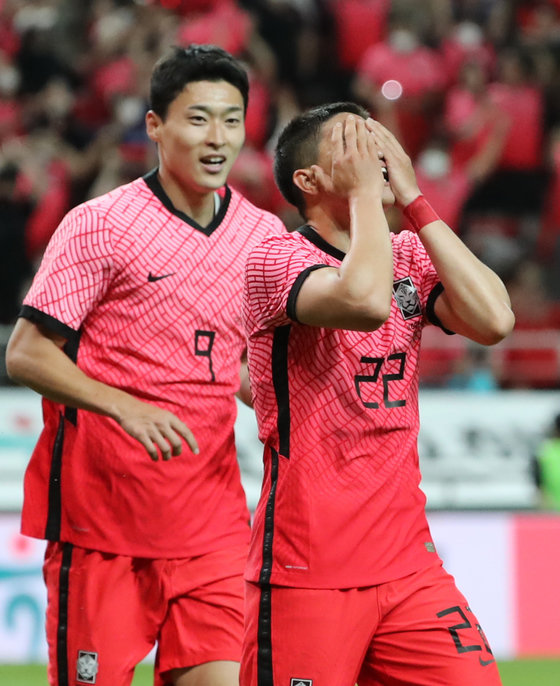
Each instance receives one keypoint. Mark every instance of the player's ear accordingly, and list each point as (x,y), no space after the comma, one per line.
(306,180)
(153,123)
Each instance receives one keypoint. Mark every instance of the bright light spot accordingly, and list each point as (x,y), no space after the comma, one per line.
(392,90)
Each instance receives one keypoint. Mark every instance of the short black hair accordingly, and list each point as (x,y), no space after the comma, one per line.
(298,146)
(182,66)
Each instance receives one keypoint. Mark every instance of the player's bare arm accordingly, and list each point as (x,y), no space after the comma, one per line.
(358,294)
(244,392)
(35,358)
(475,302)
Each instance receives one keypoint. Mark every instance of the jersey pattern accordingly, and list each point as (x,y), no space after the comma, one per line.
(150,302)
(337,412)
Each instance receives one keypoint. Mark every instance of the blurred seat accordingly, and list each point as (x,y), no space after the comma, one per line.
(524,360)
(439,355)
(529,359)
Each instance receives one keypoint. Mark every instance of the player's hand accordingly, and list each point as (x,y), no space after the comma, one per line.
(355,164)
(402,177)
(158,430)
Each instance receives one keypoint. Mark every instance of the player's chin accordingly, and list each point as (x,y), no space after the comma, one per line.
(388,197)
(212,182)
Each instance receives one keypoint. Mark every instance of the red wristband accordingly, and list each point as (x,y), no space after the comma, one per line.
(419,213)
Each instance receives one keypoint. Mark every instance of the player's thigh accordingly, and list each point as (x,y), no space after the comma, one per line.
(303,636)
(428,636)
(203,630)
(218,673)
(97,626)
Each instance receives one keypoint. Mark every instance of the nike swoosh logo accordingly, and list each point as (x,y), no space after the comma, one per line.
(485,663)
(152,278)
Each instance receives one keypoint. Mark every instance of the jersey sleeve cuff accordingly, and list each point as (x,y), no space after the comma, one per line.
(431,315)
(296,287)
(37,317)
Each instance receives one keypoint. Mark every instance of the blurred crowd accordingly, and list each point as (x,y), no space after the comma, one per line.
(471,88)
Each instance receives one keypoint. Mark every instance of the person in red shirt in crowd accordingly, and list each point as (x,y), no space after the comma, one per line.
(533,361)
(465,43)
(471,117)
(402,81)
(519,183)
(359,24)
(538,21)
(447,186)
(132,333)
(234,29)
(516,96)
(344,581)
(548,241)
(449,183)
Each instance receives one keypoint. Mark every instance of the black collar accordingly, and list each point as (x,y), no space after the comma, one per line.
(152,181)
(313,237)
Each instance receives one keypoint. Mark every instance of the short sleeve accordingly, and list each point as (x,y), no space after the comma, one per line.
(421,269)
(76,270)
(275,271)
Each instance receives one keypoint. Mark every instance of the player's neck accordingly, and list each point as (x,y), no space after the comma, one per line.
(201,207)
(334,230)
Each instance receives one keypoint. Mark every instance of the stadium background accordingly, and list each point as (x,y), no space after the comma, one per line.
(472,87)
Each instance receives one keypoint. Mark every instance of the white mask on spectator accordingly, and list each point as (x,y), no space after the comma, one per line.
(403,40)
(129,110)
(468,34)
(434,163)
(9,79)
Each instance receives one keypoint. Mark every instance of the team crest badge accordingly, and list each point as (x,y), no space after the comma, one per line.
(87,667)
(301,682)
(407,298)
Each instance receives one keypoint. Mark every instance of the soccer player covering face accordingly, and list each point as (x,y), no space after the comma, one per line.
(132,333)
(344,581)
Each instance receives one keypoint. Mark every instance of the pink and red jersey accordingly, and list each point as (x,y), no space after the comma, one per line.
(150,302)
(337,412)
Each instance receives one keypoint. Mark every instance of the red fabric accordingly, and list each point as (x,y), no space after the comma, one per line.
(190,7)
(10,119)
(419,213)
(454,55)
(227,26)
(49,211)
(446,195)
(252,175)
(337,411)
(176,342)
(359,24)
(118,605)
(420,74)
(470,121)
(414,630)
(525,108)
(258,112)
(115,77)
(91,110)
(419,71)
(9,38)
(550,231)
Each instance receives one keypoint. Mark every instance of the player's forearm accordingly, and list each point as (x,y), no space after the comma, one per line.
(244,393)
(476,294)
(366,273)
(37,362)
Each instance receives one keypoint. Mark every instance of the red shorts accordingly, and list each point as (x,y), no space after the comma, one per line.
(416,631)
(106,612)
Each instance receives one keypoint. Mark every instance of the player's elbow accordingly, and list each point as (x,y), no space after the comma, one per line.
(16,364)
(373,313)
(500,325)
